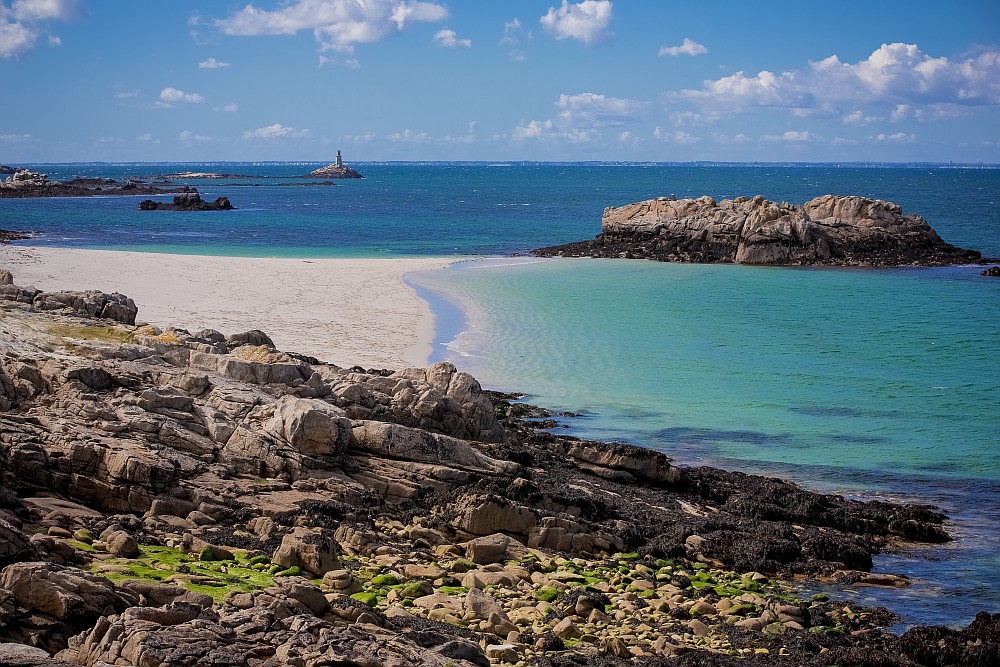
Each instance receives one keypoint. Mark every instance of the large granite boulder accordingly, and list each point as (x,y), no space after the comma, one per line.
(829,230)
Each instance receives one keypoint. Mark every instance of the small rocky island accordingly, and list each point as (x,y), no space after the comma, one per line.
(187,201)
(170,497)
(826,231)
(25,183)
(336,170)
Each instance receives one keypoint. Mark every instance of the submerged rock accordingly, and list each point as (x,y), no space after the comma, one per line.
(826,231)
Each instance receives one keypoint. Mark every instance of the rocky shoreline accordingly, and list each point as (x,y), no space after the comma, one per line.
(25,184)
(826,231)
(174,497)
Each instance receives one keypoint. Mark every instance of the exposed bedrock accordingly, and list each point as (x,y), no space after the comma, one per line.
(829,230)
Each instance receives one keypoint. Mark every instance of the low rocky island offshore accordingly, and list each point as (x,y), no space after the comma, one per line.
(187,201)
(25,183)
(336,170)
(825,231)
(177,497)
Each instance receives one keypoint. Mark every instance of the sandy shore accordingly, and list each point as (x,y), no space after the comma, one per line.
(344,311)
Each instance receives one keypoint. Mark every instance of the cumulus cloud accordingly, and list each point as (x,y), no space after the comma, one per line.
(675,137)
(449,38)
(44,10)
(408,136)
(23,22)
(189,137)
(791,136)
(579,118)
(896,137)
(468,138)
(276,131)
(15,138)
(858,117)
(170,96)
(337,24)
(211,63)
(900,75)
(548,130)
(597,110)
(687,48)
(512,39)
(585,21)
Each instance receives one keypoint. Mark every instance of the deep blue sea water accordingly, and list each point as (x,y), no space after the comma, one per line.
(870,383)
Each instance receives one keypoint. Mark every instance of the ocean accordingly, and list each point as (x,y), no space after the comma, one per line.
(869,383)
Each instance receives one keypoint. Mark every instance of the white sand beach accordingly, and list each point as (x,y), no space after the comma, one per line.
(343,311)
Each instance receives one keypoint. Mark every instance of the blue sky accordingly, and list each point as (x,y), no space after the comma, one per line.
(119,80)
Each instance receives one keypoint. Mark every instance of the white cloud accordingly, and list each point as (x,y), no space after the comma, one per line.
(169,96)
(687,47)
(211,63)
(579,117)
(337,24)
(43,10)
(18,23)
(276,131)
(231,108)
(512,39)
(126,94)
(408,136)
(726,139)
(896,138)
(791,136)
(468,138)
(550,131)
(147,137)
(449,38)
(365,138)
(676,137)
(899,75)
(597,110)
(858,117)
(585,21)
(15,138)
(15,38)
(901,112)
(189,137)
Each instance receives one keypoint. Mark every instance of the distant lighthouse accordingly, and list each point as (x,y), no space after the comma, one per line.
(340,160)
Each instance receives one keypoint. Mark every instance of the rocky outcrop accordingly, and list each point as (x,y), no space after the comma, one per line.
(187,201)
(7,169)
(334,171)
(25,183)
(826,231)
(91,303)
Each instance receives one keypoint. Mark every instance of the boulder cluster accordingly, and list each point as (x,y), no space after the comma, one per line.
(170,497)
(187,201)
(828,231)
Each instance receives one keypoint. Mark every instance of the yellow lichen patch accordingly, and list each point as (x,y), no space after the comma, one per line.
(102,332)
(261,354)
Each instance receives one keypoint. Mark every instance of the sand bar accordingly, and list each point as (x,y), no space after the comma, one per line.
(344,311)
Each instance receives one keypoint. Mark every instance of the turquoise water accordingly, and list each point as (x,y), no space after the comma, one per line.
(868,383)
(865,383)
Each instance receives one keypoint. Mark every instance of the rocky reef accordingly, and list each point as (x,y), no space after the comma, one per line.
(25,183)
(187,201)
(170,497)
(826,231)
(336,170)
